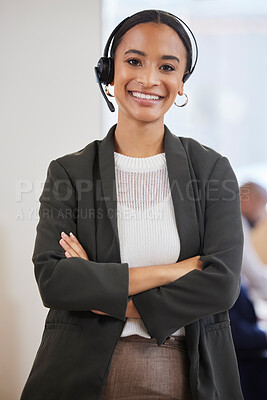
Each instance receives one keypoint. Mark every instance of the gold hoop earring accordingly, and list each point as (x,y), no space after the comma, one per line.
(108,92)
(185,103)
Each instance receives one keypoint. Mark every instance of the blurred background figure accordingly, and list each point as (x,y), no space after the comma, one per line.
(249,314)
(259,240)
(253,202)
(250,340)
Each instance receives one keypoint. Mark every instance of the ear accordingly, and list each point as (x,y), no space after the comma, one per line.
(181,89)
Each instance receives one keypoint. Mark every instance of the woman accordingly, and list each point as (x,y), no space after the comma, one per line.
(140,279)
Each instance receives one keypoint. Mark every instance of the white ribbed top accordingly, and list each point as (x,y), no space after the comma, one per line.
(146,221)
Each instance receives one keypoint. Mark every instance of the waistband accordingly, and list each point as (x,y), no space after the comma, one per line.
(173,341)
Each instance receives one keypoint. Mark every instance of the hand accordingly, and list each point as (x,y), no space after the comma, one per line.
(72,246)
(182,268)
(190,263)
(131,311)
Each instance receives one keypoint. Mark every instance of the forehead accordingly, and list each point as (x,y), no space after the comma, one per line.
(152,36)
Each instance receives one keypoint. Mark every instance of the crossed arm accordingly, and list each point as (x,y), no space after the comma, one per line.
(141,278)
(166,297)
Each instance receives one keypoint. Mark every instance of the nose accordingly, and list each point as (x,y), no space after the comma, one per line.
(148,77)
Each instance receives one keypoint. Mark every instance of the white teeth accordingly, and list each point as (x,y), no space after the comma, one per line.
(145,96)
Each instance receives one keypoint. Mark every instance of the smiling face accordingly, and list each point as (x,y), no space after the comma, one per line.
(149,66)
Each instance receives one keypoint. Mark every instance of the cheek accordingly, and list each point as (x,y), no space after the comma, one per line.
(121,72)
(173,87)
(121,80)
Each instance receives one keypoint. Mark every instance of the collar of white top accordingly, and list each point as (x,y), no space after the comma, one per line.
(128,163)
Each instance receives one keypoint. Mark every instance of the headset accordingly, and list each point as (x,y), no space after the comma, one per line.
(104,71)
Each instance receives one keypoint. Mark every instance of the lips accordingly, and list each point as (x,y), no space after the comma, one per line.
(150,97)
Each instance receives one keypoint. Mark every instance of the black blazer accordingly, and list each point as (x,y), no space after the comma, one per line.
(79,196)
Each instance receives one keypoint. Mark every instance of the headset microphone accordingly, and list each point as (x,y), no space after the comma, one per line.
(110,105)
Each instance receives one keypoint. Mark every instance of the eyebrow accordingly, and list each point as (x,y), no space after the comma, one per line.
(141,53)
(170,58)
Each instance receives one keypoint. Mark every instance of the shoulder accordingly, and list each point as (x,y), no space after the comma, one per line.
(209,166)
(199,154)
(79,156)
(73,164)
(205,163)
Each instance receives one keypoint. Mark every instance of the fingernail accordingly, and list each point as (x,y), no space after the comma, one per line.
(63,234)
(71,234)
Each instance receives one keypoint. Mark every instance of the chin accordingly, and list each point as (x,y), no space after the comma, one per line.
(144,116)
(147,120)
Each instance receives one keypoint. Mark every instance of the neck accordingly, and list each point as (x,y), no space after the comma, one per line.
(139,139)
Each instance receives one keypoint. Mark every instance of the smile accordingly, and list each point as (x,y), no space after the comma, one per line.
(144,96)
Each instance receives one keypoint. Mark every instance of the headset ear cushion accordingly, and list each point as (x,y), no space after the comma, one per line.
(110,70)
(106,70)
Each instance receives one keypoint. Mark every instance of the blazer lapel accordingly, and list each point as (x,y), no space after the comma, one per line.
(180,184)
(182,195)
(107,173)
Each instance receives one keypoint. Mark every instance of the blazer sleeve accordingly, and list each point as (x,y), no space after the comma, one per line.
(214,289)
(72,283)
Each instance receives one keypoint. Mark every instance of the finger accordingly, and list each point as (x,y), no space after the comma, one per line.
(68,248)
(81,250)
(73,237)
(68,251)
(70,242)
(99,312)
(74,244)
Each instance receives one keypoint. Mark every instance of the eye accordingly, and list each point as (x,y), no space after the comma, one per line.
(134,61)
(167,67)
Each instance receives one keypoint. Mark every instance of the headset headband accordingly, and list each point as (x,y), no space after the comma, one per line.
(111,36)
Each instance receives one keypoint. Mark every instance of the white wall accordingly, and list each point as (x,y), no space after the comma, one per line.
(50,106)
